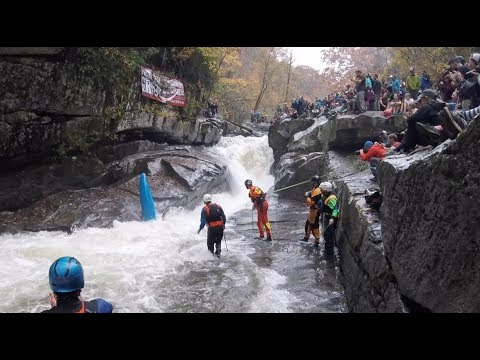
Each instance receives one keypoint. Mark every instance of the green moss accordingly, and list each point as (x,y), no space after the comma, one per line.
(117,70)
(76,143)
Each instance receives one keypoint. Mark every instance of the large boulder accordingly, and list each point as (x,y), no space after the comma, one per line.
(203,130)
(177,175)
(351,131)
(281,132)
(431,223)
(294,168)
(20,188)
(307,140)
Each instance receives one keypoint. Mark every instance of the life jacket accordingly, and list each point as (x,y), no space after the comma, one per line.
(314,197)
(93,306)
(256,194)
(326,209)
(214,215)
(82,309)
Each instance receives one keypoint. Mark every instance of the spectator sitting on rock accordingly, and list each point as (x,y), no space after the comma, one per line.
(393,140)
(394,143)
(383,101)
(420,126)
(409,105)
(393,107)
(468,115)
(453,104)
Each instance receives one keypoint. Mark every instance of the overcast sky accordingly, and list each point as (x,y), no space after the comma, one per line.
(308,56)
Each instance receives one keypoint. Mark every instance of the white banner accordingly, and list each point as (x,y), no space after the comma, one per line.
(161,88)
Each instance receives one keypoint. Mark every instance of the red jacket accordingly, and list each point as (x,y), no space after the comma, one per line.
(376,150)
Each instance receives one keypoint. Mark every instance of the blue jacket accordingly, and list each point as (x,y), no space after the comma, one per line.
(396,85)
(425,83)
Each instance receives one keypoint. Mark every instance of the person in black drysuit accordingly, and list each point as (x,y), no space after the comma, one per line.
(427,116)
(213,215)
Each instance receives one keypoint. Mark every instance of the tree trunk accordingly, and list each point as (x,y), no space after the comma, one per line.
(288,78)
(265,81)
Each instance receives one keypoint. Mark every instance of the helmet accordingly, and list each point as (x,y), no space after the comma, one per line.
(66,275)
(368,144)
(316,179)
(207,198)
(248,183)
(326,186)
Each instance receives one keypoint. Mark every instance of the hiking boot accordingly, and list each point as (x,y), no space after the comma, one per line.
(269,238)
(317,242)
(304,240)
(259,238)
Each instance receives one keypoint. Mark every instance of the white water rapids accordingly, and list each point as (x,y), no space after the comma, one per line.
(157,266)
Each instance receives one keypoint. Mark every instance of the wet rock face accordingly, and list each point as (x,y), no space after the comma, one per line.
(307,141)
(177,175)
(21,188)
(294,168)
(49,106)
(280,134)
(367,278)
(47,100)
(203,131)
(431,224)
(351,131)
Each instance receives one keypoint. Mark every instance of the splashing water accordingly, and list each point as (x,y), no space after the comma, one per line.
(156,266)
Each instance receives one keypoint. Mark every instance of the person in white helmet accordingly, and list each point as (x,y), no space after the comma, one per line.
(213,215)
(328,206)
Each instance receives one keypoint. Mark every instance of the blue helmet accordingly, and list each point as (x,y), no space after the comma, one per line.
(66,275)
(368,144)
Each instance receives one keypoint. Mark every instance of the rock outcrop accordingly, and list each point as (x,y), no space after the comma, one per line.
(431,224)
(294,168)
(420,253)
(351,131)
(60,119)
(280,134)
(344,132)
(177,175)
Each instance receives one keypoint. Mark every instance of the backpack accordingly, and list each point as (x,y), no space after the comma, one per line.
(374,200)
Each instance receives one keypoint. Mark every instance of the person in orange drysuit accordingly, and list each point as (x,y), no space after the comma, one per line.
(260,203)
